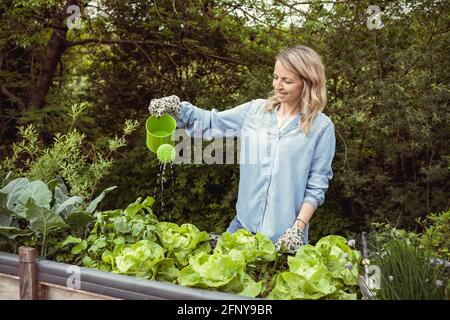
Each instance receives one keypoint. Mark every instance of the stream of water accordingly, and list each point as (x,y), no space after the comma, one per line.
(161,180)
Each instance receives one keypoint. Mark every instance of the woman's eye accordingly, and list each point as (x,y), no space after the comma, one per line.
(288,82)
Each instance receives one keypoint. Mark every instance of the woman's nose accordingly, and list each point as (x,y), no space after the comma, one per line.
(278,84)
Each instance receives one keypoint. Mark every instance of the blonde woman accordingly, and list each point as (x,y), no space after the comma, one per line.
(279,193)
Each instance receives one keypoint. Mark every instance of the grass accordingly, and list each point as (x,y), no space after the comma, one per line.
(408,274)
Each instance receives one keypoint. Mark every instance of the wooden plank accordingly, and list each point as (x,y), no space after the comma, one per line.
(10,290)
(50,291)
(27,274)
(9,287)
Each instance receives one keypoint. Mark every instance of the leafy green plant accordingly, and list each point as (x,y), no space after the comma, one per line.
(436,236)
(32,212)
(239,264)
(180,242)
(224,272)
(144,259)
(111,228)
(254,247)
(383,233)
(328,270)
(69,157)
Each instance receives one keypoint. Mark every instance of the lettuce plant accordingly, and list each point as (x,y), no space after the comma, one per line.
(254,247)
(223,272)
(180,242)
(144,259)
(328,270)
(227,269)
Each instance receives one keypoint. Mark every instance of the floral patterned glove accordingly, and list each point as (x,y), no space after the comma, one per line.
(169,105)
(213,239)
(290,241)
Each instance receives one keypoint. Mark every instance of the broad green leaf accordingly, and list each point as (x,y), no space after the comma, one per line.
(108,257)
(5,214)
(167,271)
(67,205)
(43,220)
(137,228)
(14,190)
(63,203)
(70,240)
(148,202)
(52,184)
(94,203)
(88,262)
(79,247)
(78,219)
(98,245)
(39,192)
(13,232)
(251,288)
(120,224)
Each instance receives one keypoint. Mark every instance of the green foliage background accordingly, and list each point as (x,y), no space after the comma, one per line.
(388,93)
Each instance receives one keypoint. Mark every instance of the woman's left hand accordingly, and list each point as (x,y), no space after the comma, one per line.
(290,241)
(169,105)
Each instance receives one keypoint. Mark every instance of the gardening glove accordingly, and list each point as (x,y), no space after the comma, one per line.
(169,105)
(213,239)
(290,241)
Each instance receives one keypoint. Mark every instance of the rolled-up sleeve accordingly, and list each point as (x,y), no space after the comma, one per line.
(211,123)
(321,172)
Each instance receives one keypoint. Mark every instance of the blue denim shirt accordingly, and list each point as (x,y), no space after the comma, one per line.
(291,168)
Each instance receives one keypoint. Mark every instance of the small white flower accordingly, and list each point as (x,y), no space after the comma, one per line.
(391,278)
(439,283)
(426,280)
(351,243)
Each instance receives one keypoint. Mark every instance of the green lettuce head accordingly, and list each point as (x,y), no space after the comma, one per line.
(142,259)
(180,242)
(254,247)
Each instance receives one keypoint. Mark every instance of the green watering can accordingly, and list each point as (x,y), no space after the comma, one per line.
(159,131)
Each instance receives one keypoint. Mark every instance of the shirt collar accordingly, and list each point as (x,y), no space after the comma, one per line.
(277,107)
(293,123)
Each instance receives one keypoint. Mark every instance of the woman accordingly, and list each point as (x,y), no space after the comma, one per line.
(277,196)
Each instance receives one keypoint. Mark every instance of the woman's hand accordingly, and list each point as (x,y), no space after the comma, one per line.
(290,241)
(166,105)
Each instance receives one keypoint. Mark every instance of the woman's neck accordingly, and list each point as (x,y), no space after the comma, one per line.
(285,110)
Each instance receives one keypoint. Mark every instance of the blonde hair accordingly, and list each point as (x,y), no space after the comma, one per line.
(307,64)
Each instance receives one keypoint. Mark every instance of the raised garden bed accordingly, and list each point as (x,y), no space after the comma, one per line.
(44,279)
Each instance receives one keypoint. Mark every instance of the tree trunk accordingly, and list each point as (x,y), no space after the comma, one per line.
(55,49)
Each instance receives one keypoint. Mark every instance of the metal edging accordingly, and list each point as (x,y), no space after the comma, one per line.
(111,284)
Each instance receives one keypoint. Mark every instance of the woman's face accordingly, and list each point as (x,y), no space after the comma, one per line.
(287,85)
